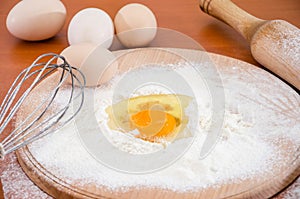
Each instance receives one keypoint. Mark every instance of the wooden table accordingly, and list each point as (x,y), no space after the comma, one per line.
(179,15)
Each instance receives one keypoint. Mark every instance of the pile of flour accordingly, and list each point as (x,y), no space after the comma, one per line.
(242,151)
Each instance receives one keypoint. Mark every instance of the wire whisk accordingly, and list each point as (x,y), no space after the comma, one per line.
(43,118)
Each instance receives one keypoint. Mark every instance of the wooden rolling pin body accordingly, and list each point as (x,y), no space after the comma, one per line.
(275,44)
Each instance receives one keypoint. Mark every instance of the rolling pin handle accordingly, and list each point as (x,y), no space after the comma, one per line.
(231,14)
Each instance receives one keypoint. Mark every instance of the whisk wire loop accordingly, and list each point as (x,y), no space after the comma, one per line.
(36,124)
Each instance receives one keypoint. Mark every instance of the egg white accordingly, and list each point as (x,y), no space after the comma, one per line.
(126,141)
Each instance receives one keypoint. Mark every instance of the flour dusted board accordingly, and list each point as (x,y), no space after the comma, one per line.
(260,88)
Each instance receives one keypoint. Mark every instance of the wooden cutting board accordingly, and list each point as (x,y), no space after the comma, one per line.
(270,94)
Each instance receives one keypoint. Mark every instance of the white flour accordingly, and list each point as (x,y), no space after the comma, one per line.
(244,150)
(15,183)
(287,44)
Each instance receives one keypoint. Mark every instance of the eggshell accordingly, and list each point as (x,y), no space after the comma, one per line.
(99,66)
(91,25)
(35,20)
(136,25)
(75,54)
(95,62)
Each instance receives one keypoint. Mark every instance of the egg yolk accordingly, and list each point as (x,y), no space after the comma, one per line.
(153,123)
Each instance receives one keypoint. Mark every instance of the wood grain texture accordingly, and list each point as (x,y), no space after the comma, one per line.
(232,15)
(273,43)
(261,187)
(183,16)
(1,191)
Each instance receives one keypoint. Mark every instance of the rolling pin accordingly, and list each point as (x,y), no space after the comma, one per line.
(274,43)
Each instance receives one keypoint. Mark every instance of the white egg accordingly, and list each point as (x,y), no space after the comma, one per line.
(136,25)
(75,54)
(96,63)
(91,25)
(35,20)
(99,66)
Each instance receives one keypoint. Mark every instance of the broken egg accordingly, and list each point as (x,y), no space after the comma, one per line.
(158,118)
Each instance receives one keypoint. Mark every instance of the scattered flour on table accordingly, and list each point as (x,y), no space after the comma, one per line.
(292,192)
(242,152)
(16,184)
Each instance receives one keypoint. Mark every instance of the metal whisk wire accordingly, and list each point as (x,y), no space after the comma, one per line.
(28,131)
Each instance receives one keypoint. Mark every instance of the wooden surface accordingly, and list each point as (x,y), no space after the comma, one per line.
(273,43)
(264,185)
(183,16)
